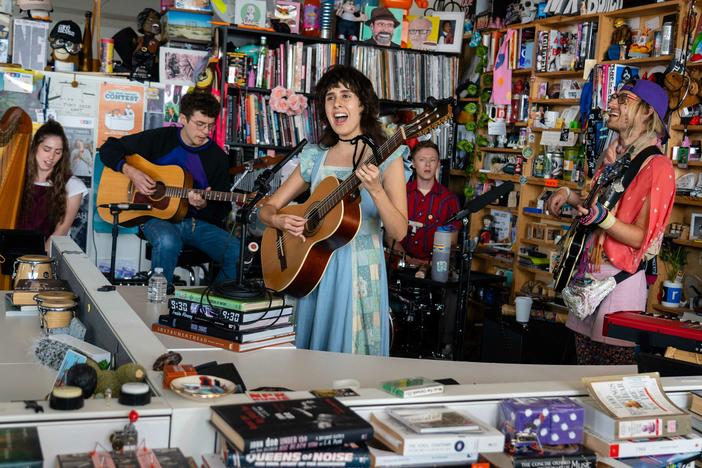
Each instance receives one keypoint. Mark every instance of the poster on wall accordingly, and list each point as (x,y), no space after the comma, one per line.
(67,99)
(80,132)
(181,66)
(153,118)
(120,111)
(171,104)
(29,43)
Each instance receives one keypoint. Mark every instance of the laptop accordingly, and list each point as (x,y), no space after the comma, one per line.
(17,242)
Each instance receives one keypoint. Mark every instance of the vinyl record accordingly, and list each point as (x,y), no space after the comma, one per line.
(204,79)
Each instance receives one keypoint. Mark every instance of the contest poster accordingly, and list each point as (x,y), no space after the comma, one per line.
(120,111)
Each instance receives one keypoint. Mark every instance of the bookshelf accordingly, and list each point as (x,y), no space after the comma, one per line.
(296,62)
(542,77)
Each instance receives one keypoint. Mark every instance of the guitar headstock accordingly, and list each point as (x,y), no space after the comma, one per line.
(429,119)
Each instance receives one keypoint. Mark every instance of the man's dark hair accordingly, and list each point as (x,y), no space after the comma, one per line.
(424,144)
(203,102)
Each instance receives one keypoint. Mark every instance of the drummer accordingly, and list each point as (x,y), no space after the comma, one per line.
(429,205)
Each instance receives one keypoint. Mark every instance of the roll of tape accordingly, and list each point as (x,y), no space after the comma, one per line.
(346,383)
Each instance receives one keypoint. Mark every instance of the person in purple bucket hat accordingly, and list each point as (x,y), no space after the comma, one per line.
(626,219)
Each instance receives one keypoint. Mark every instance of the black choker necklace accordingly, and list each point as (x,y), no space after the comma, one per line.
(350,140)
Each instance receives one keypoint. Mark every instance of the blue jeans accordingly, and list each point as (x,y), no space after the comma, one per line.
(167,240)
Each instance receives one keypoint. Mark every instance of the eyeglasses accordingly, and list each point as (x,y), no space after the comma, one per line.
(623,98)
(70,46)
(204,125)
(418,32)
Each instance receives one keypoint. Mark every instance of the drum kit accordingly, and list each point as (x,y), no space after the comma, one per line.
(56,308)
(417,307)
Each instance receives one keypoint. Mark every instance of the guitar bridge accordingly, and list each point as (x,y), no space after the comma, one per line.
(279,247)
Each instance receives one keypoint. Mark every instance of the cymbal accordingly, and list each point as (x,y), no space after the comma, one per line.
(258,163)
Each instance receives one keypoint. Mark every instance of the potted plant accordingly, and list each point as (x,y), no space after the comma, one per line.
(675,258)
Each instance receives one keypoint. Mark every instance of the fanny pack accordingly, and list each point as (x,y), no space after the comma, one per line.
(583,296)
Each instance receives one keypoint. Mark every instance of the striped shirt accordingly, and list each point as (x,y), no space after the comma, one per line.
(429,211)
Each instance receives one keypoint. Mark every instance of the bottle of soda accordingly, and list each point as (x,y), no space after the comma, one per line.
(310,18)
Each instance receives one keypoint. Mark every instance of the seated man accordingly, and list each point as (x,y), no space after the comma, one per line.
(190,148)
(429,205)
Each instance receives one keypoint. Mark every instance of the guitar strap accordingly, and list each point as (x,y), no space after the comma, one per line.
(628,177)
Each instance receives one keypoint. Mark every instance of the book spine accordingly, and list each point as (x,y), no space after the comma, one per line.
(351,457)
(196,337)
(321,439)
(212,300)
(415,392)
(193,309)
(565,461)
(198,327)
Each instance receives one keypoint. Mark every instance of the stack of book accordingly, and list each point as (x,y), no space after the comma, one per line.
(233,324)
(630,421)
(430,435)
(308,432)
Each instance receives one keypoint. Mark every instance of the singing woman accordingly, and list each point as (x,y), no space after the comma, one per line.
(349,310)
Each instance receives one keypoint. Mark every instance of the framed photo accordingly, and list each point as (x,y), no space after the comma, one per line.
(181,66)
(288,13)
(383,27)
(450,31)
(422,32)
(696,226)
(251,13)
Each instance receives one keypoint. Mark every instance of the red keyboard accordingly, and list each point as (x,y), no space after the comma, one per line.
(655,331)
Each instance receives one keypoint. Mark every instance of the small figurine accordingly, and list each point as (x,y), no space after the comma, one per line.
(621,39)
(65,41)
(145,56)
(487,233)
(349,22)
(36,9)
(527,11)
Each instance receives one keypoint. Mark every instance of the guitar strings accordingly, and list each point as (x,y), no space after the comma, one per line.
(347,184)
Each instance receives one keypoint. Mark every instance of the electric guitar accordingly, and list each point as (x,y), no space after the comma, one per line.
(571,246)
(169,201)
(333,214)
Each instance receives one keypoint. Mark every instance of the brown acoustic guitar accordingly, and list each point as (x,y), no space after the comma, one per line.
(333,214)
(169,201)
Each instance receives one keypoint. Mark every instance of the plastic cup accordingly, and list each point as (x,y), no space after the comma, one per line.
(523,306)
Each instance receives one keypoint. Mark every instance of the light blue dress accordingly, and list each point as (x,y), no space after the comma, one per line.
(348,311)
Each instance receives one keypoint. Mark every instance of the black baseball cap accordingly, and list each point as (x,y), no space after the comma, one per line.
(68,31)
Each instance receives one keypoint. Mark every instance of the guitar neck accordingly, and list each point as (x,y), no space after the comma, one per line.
(351,183)
(178,192)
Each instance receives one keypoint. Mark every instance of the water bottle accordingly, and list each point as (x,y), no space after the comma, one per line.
(441,254)
(158,284)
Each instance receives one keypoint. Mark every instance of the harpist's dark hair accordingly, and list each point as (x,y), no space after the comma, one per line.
(362,87)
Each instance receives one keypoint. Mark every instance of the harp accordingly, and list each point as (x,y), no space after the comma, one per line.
(15,136)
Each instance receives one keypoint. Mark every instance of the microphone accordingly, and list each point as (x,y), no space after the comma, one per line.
(482,201)
(126,206)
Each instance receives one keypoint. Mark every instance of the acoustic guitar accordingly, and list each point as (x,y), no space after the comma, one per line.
(169,201)
(333,214)
(572,245)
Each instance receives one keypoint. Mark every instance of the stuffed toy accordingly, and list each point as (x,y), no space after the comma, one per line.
(65,40)
(112,380)
(36,9)
(145,56)
(349,20)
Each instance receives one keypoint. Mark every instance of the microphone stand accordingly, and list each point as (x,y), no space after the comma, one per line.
(463,282)
(262,186)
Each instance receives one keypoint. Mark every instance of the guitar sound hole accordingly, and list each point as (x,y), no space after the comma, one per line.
(159,192)
(312,224)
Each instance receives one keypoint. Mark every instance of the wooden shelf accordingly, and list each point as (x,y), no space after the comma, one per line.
(691,163)
(646,61)
(539,243)
(500,176)
(556,102)
(546,217)
(534,270)
(540,130)
(556,183)
(493,260)
(458,172)
(688,243)
(690,128)
(670,310)
(685,200)
(261,146)
(469,99)
(644,10)
(489,149)
(560,74)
